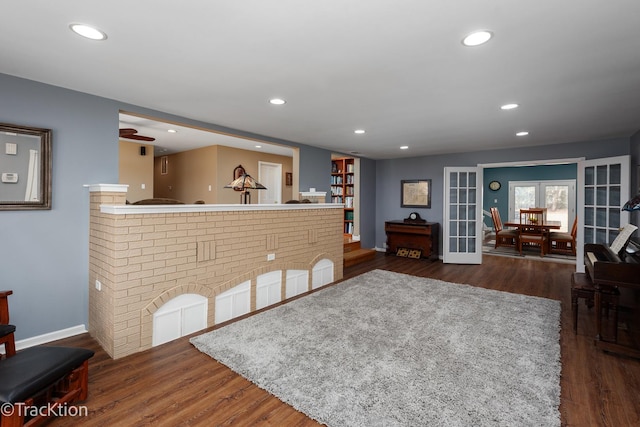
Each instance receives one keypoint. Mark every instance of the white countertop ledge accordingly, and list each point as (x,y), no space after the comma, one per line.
(161,209)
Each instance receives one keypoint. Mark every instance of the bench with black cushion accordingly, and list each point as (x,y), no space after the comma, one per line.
(43,375)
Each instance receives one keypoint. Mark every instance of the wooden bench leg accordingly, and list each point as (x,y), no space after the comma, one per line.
(15,419)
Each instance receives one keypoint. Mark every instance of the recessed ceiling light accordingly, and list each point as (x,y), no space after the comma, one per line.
(172,131)
(88,31)
(477,38)
(509,106)
(359,131)
(522,133)
(404,147)
(258,146)
(277,101)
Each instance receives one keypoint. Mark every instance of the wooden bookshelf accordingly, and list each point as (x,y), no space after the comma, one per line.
(342,188)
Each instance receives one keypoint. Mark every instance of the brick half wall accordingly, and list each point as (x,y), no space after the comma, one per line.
(144,256)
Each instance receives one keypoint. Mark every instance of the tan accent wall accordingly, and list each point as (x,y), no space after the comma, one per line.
(144,260)
(136,170)
(229,158)
(190,173)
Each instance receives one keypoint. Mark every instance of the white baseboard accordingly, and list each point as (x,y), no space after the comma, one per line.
(50,336)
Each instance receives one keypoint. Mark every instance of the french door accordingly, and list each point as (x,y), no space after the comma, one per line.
(462,216)
(604,185)
(559,197)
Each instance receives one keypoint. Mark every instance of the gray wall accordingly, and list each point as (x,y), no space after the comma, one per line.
(389,173)
(44,254)
(368,200)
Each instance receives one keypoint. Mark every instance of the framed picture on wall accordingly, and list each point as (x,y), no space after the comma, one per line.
(415,193)
(164,165)
(288,178)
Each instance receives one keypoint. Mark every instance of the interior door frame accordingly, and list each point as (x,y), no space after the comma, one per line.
(568,160)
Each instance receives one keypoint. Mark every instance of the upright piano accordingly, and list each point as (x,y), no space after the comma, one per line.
(608,269)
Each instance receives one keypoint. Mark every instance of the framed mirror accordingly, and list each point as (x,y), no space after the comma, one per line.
(25,167)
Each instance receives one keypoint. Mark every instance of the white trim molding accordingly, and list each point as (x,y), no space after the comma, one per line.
(50,336)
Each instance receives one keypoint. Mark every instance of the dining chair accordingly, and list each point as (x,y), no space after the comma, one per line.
(533,236)
(564,243)
(533,216)
(531,232)
(504,237)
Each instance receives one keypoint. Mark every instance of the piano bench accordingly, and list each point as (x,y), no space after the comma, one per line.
(582,287)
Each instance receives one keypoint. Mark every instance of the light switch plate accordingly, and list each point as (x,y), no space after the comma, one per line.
(9,178)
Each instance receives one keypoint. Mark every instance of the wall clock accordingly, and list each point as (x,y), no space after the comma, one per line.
(494,185)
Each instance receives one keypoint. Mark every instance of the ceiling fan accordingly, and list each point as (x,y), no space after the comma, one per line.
(130,133)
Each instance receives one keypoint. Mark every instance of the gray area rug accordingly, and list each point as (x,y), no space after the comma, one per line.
(389,349)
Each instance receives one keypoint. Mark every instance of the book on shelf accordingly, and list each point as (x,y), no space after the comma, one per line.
(348,228)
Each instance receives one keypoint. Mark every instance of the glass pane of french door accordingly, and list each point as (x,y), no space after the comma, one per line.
(557,203)
(525,196)
(602,202)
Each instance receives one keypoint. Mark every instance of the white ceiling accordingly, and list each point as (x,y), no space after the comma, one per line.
(189,138)
(394,68)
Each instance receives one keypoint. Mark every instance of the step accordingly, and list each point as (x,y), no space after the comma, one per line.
(351,246)
(357,256)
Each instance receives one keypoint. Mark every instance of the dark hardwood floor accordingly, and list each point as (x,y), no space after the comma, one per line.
(174,384)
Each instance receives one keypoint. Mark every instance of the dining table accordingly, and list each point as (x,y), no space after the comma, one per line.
(546,227)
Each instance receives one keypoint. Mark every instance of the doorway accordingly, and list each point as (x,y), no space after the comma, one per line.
(270,175)
(559,197)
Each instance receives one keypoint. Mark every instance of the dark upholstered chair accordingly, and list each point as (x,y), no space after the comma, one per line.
(503,237)
(158,201)
(41,378)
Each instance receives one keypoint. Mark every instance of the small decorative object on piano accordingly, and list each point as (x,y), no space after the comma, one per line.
(415,218)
